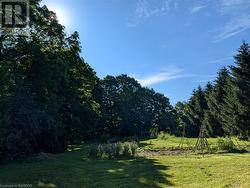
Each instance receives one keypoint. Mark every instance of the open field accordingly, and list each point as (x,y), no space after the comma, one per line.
(174,142)
(76,170)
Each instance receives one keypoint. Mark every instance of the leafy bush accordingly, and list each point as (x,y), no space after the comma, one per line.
(154,131)
(226,144)
(114,150)
(164,136)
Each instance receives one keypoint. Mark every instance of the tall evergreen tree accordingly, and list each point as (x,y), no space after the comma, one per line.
(216,102)
(197,106)
(241,73)
(208,120)
(230,109)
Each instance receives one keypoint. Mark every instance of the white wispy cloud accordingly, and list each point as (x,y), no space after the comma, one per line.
(164,75)
(221,60)
(238,14)
(146,9)
(197,8)
(233,5)
(233,27)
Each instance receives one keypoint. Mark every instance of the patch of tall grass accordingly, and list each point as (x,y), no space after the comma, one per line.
(113,150)
(164,136)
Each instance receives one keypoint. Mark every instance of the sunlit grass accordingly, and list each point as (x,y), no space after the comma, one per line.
(174,142)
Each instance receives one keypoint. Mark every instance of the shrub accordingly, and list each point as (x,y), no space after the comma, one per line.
(164,136)
(226,144)
(114,150)
(154,131)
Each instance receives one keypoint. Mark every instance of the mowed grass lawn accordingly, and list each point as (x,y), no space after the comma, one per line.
(174,142)
(76,170)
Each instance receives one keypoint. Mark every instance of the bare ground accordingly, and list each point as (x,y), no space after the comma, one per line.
(156,152)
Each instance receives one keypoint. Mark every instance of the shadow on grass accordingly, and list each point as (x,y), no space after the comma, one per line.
(75,170)
(139,172)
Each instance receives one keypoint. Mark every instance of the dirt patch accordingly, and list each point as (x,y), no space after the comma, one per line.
(162,152)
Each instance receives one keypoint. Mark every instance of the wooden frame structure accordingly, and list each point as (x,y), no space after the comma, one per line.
(202,143)
(184,140)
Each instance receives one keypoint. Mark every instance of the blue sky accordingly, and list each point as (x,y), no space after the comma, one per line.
(169,45)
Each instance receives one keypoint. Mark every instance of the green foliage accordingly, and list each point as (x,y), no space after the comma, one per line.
(216,97)
(241,75)
(223,107)
(191,114)
(164,136)
(128,109)
(227,144)
(154,130)
(114,150)
(46,89)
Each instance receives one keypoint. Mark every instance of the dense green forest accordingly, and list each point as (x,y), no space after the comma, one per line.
(50,97)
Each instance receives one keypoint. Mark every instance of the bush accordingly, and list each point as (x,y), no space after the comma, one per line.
(154,131)
(226,144)
(164,136)
(114,150)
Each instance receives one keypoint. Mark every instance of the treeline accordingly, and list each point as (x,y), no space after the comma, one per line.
(128,109)
(50,97)
(223,107)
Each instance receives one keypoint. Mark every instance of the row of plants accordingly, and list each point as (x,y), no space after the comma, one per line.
(113,150)
(130,148)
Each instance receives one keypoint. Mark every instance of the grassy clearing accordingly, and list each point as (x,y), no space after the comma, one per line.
(75,170)
(227,170)
(167,142)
